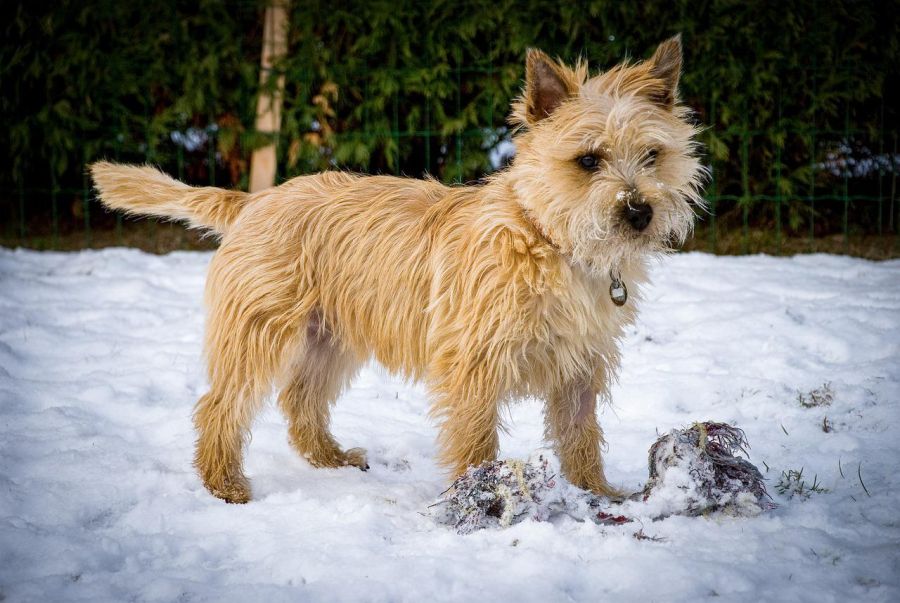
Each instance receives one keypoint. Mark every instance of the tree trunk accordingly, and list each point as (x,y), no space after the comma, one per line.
(268,109)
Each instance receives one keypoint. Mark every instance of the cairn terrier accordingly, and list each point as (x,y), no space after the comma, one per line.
(519,286)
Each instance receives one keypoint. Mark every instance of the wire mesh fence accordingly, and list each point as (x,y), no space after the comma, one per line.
(844,184)
(850,192)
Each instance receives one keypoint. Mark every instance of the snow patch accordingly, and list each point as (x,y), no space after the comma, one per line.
(101,363)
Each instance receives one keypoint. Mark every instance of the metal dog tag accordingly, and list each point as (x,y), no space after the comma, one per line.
(618,292)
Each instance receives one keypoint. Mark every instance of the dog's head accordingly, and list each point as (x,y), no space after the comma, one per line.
(607,166)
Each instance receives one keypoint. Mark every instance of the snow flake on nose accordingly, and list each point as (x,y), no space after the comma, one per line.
(628,195)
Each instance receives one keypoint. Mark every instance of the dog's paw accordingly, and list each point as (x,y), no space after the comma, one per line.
(612,493)
(231,490)
(357,458)
(599,486)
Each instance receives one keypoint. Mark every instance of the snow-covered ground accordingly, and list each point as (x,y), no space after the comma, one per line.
(100,364)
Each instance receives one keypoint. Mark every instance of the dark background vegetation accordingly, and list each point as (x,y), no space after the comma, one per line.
(799,99)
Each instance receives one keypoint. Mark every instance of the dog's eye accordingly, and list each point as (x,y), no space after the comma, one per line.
(589,162)
(652,154)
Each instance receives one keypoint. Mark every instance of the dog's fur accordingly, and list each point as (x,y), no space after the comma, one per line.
(487,292)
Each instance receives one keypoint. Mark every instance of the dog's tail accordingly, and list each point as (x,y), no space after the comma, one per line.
(147,191)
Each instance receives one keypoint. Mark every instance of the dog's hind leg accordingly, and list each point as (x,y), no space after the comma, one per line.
(221,425)
(248,335)
(571,425)
(317,378)
(242,366)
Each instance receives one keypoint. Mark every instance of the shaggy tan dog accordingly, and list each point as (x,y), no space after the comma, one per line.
(488,293)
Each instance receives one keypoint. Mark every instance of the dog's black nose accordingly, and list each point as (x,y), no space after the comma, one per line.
(638,215)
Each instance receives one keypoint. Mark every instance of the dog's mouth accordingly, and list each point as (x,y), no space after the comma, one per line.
(627,232)
(671,241)
(655,225)
(648,241)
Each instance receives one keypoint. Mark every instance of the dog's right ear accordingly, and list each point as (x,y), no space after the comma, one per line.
(547,85)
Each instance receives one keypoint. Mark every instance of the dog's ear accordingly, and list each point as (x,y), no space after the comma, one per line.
(655,79)
(547,84)
(665,66)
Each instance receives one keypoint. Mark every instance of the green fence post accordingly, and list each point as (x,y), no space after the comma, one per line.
(428,127)
(745,185)
(712,178)
(881,169)
(491,86)
(118,152)
(148,158)
(396,129)
(812,167)
(22,229)
(54,190)
(781,137)
(211,144)
(428,83)
(458,114)
(179,158)
(87,198)
(894,190)
(367,134)
(846,191)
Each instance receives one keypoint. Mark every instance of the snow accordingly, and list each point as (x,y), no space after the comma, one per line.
(100,364)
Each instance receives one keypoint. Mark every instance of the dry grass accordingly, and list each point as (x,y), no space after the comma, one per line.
(761,240)
(820,396)
(148,235)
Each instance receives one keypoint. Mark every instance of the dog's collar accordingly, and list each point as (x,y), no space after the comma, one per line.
(618,292)
(543,233)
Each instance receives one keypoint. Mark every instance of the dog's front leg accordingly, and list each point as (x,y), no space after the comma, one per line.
(571,425)
(469,407)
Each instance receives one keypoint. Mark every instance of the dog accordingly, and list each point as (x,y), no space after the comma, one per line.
(522,285)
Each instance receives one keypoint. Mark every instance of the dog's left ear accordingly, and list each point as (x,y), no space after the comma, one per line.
(665,66)
(547,85)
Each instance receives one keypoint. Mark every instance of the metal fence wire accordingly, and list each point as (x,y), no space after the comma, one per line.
(790,186)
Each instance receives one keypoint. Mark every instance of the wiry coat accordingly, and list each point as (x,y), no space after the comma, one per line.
(487,293)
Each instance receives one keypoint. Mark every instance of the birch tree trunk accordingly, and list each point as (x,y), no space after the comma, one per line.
(268,109)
